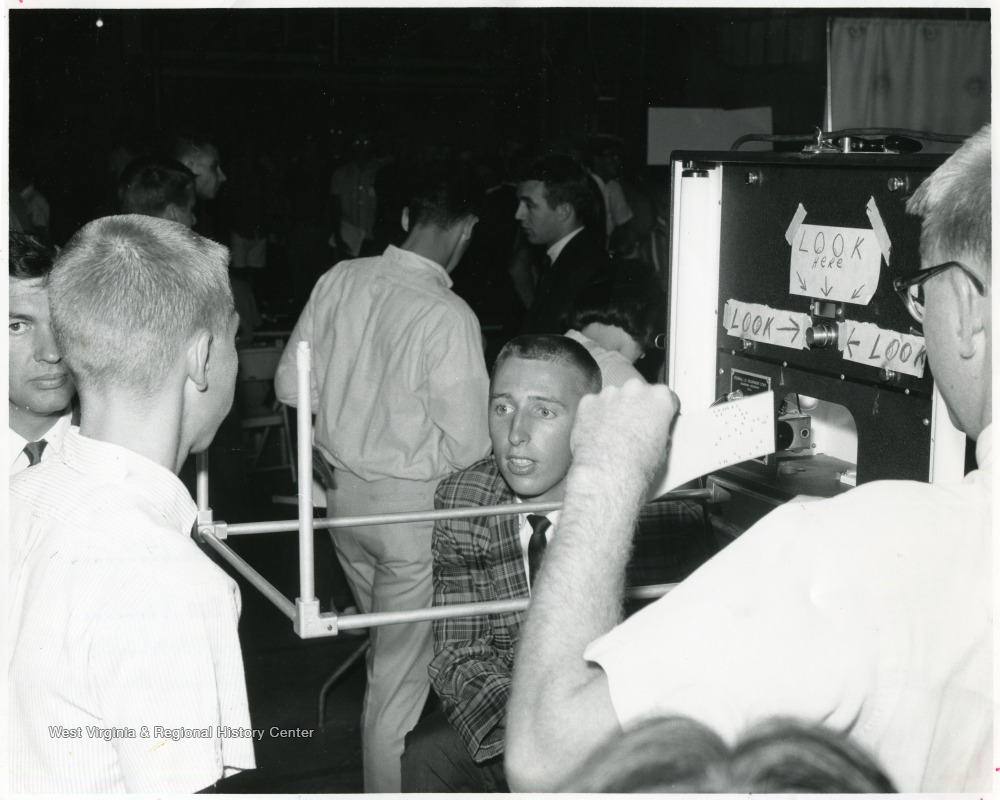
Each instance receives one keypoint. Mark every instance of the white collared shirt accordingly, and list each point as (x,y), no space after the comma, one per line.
(54,436)
(118,625)
(554,251)
(525,530)
(398,383)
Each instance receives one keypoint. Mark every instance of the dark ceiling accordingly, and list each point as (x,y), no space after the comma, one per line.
(462,76)
(526,72)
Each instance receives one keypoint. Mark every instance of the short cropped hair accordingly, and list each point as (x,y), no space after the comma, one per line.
(150,184)
(126,295)
(445,194)
(185,143)
(955,205)
(678,754)
(629,306)
(550,347)
(566,181)
(29,257)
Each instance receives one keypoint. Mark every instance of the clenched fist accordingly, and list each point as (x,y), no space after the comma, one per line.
(623,433)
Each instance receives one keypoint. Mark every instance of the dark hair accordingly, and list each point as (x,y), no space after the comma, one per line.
(678,754)
(603,145)
(627,305)
(551,347)
(566,181)
(443,195)
(149,184)
(29,257)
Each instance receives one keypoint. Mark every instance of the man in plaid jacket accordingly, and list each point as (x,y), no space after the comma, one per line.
(536,385)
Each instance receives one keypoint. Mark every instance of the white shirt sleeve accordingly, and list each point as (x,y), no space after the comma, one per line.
(749,635)
(618,209)
(459,390)
(286,377)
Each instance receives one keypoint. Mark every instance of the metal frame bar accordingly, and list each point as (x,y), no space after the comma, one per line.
(308,621)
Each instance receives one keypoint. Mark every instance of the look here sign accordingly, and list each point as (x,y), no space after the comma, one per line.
(836,263)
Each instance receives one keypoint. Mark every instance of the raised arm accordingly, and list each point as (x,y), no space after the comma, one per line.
(560,708)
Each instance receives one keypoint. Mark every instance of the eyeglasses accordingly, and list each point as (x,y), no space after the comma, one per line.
(911,287)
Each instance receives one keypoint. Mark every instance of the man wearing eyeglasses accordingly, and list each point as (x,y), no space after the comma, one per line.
(869,612)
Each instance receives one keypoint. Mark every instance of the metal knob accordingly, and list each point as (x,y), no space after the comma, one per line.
(821,335)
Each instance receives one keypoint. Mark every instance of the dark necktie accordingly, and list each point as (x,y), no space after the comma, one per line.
(34,450)
(545,279)
(536,544)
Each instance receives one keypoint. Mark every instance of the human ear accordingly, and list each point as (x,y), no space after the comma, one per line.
(199,350)
(405,219)
(973,310)
(467,226)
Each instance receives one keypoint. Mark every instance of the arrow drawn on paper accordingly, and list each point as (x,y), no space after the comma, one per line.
(857,292)
(826,287)
(802,283)
(796,328)
(850,341)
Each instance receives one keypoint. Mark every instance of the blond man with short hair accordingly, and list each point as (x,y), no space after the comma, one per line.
(126,673)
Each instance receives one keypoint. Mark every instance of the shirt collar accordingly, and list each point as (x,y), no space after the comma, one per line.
(54,436)
(554,251)
(984,447)
(552,515)
(160,487)
(410,260)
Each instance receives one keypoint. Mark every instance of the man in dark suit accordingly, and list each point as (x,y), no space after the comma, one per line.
(558,208)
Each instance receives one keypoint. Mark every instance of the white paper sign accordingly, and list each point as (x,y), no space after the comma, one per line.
(864,343)
(761,323)
(836,264)
(717,437)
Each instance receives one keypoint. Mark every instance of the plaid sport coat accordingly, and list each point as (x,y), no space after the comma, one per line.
(479,559)
(475,560)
